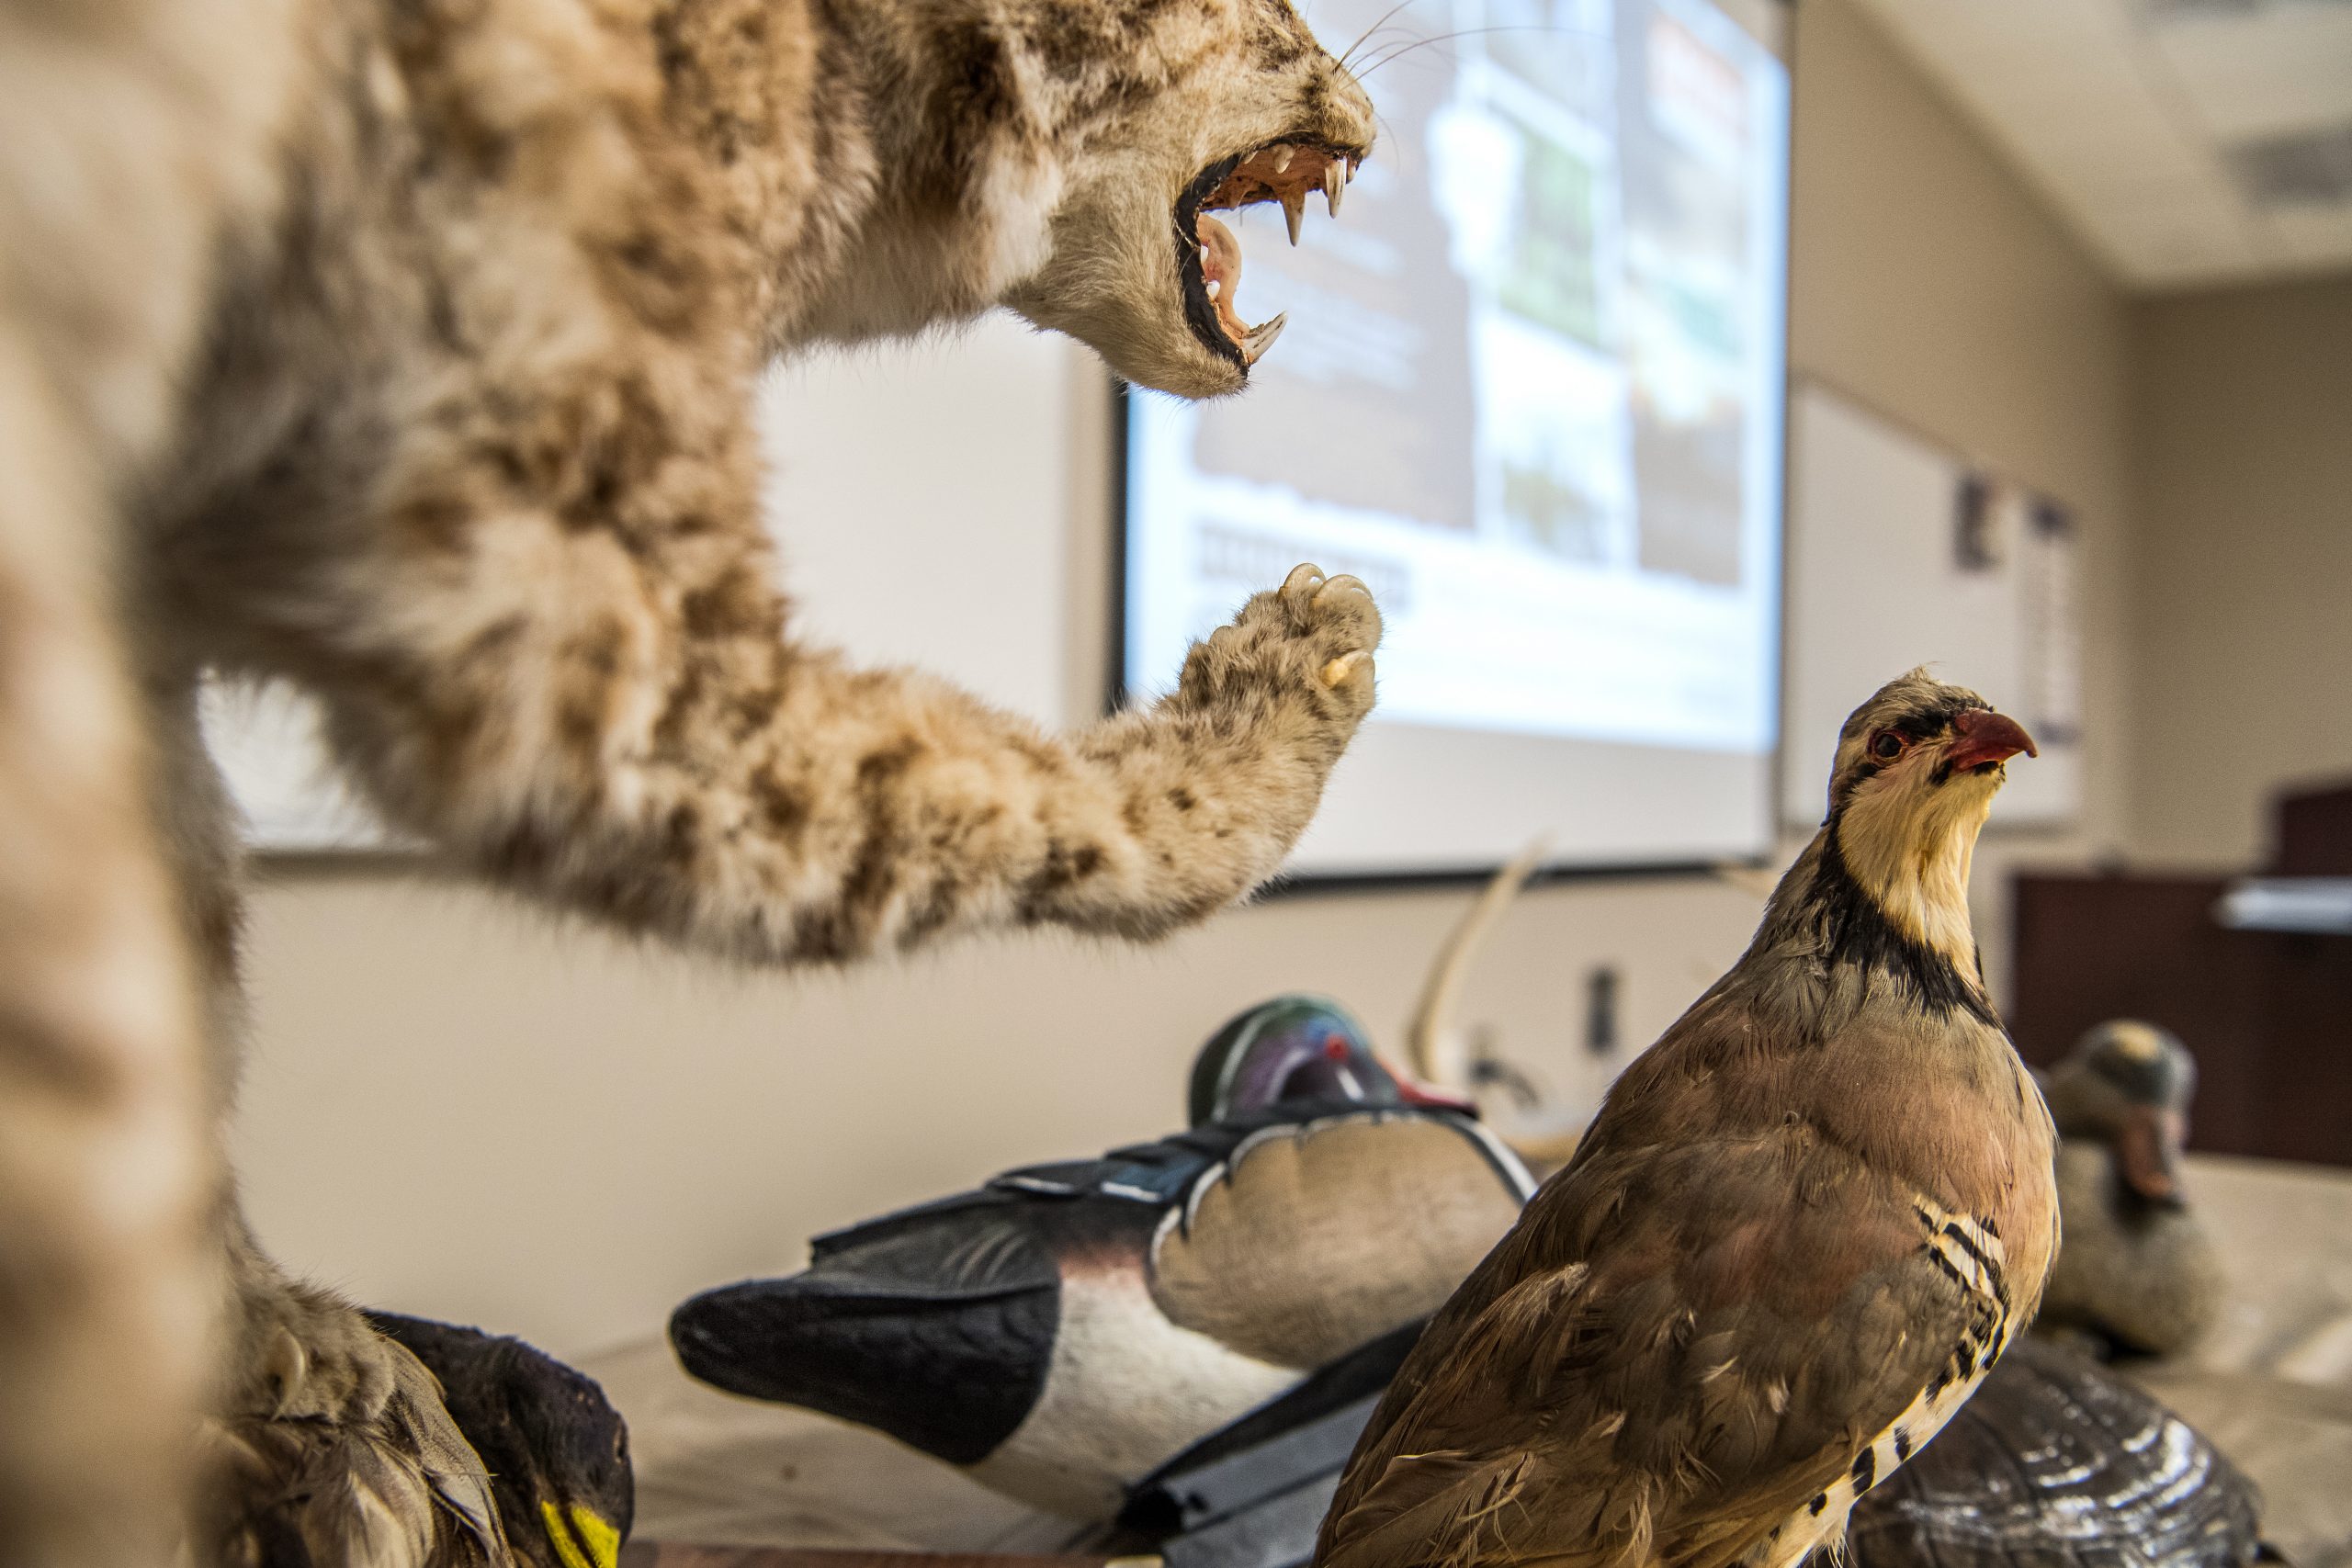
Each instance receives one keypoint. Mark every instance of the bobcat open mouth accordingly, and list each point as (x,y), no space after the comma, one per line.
(1208,257)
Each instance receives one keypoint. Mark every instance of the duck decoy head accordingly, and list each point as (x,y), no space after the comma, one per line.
(2128,1084)
(1292,1048)
(1296,1050)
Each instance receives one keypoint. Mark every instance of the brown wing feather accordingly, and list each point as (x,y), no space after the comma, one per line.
(407,1491)
(1719,1362)
(1691,1332)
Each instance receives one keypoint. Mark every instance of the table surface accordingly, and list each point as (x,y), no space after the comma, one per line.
(2271,1386)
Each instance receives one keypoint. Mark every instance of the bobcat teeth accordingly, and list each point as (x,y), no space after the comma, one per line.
(1334,182)
(1282,160)
(1215,286)
(1294,212)
(1261,337)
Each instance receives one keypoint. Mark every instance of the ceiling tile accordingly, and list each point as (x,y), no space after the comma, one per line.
(2305,170)
(2130,116)
(2311,237)
(2171,242)
(2178,180)
(2275,70)
(1989,31)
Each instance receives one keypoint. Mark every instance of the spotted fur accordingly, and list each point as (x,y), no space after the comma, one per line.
(403,350)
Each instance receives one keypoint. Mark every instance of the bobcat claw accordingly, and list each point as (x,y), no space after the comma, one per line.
(1342,586)
(1303,579)
(1339,669)
(284,1366)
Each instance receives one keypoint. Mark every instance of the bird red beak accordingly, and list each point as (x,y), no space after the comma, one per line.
(1412,1093)
(1415,1093)
(2149,1153)
(1980,736)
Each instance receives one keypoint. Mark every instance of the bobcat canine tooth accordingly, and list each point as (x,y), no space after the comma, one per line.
(1295,213)
(1282,159)
(1214,286)
(1261,337)
(1333,184)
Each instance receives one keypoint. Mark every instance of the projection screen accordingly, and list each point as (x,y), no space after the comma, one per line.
(1531,388)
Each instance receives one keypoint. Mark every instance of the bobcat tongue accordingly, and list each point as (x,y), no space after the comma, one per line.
(1220,274)
(1221,271)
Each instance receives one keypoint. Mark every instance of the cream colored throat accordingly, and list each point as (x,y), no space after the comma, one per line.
(1916,865)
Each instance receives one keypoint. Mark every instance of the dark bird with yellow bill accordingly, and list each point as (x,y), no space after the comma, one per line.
(556,1450)
(1804,1224)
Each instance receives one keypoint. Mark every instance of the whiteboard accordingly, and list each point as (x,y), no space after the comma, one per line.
(1902,553)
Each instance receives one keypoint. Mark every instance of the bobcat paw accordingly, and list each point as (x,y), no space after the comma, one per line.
(1311,639)
(307,1355)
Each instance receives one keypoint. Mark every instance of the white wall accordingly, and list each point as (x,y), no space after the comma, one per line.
(2243,586)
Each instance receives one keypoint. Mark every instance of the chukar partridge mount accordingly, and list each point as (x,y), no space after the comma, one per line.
(1804,1225)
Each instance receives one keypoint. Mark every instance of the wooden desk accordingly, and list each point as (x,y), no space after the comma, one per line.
(2268,1014)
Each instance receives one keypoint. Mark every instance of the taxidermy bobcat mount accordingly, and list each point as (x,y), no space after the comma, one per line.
(403,349)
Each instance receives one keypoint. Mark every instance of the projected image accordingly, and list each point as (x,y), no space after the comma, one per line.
(1530,388)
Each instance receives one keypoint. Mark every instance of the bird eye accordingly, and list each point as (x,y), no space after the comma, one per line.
(1887,746)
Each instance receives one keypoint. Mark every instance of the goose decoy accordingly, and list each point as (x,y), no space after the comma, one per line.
(556,1450)
(2136,1272)
(403,1488)
(1802,1226)
(1064,1329)
(2057,1462)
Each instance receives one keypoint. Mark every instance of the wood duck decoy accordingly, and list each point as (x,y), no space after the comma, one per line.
(403,1487)
(1064,1328)
(2136,1272)
(556,1450)
(1802,1226)
(2057,1462)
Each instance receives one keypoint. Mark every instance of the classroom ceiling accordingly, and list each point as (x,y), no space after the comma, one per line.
(2189,143)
